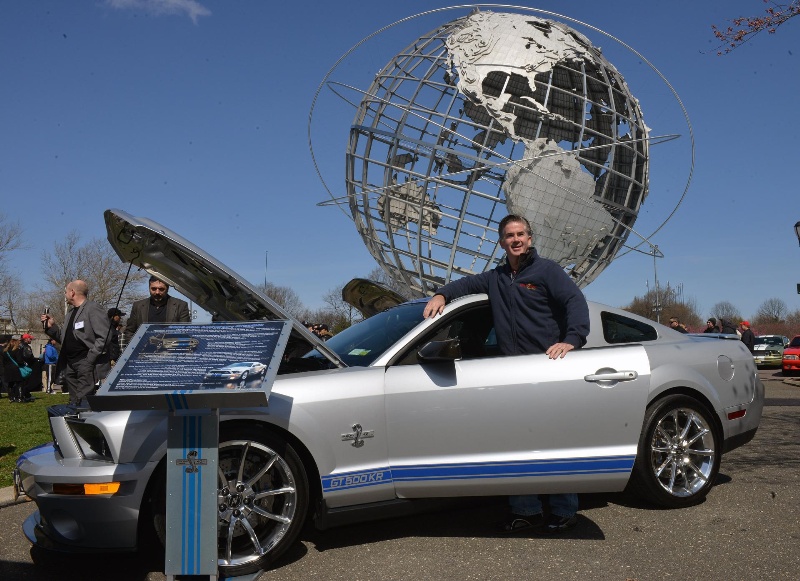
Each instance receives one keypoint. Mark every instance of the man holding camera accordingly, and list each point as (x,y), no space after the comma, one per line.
(83,339)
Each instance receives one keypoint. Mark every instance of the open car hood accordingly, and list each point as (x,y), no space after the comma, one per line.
(370,297)
(197,275)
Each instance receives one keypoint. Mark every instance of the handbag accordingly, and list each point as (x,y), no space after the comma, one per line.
(23,371)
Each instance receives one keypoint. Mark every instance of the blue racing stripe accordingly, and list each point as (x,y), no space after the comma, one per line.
(444,472)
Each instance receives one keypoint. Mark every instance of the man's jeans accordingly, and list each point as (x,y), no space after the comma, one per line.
(564,505)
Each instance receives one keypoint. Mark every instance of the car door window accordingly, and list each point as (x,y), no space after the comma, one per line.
(620,329)
(473,327)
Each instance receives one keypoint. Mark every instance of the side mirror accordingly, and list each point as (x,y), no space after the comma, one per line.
(439,351)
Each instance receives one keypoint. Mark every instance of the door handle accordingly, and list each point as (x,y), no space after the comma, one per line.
(603,375)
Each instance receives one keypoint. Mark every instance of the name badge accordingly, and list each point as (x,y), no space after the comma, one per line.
(79,325)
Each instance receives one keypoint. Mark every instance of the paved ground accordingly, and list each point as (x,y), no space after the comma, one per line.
(748,528)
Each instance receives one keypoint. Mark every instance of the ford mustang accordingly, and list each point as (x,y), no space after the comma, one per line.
(236,373)
(393,410)
(791,357)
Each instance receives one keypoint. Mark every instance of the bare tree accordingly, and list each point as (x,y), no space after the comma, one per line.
(726,310)
(379,275)
(10,301)
(94,262)
(744,28)
(671,304)
(285,297)
(772,310)
(341,313)
(10,289)
(10,237)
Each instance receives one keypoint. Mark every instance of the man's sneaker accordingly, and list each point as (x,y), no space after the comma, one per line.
(555,524)
(520,523)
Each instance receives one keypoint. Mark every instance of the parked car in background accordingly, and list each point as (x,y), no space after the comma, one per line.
(394,410)
(768,350)
(791,357)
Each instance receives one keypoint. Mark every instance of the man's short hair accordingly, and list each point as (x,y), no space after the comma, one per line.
(154,278)
(514,218)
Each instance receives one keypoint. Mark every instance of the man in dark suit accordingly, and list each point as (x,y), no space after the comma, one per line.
(83,339)
(159,308)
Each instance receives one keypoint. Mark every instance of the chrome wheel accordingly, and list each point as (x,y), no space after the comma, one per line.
(682,452)
(262,498)
(679,453)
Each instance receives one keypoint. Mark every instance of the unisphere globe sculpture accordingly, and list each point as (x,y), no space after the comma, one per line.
(490,114)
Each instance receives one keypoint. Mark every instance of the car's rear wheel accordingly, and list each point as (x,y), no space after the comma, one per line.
(262,499)
(679,453)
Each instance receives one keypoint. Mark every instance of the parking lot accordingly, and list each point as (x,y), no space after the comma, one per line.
(748,528)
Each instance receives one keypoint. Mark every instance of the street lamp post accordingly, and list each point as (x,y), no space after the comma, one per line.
(655,274)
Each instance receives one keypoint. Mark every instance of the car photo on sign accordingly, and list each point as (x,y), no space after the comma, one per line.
(243,374)
(167,342)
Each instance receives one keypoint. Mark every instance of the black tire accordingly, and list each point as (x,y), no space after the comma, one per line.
(260,514)
(678,455)
(244,500)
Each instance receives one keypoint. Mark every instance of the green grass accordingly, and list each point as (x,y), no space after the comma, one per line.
(23,426)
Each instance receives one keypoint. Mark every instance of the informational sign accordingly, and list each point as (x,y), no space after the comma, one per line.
(190,366)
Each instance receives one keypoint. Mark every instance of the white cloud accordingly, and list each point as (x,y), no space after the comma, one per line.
(191,8)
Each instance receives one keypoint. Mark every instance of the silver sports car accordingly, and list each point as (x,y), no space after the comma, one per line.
(236,373)
(397,409)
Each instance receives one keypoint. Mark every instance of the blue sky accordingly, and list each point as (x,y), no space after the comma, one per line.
(195,114)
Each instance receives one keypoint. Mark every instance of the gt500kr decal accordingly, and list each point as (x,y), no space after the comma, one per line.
(526,469)
(356,479)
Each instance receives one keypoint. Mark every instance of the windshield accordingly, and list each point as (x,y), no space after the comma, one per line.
(795,342)
(364,342)
(769,341)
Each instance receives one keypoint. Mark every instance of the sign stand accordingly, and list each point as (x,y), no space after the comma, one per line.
(192,450)
(214,372)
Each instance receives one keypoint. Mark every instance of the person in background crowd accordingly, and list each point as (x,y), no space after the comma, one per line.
(322,331)
(13,361)
(711,326)
(748,338)
(34,381)
(50,359)
(725,326)
(115,322)
(159,308)
(675,325)
(4,339)
(83,357)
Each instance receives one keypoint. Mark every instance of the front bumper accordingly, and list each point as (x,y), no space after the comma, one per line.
(767,360)
(77,523)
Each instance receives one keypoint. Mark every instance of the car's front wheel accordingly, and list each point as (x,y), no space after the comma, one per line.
(262,499)
(679,453)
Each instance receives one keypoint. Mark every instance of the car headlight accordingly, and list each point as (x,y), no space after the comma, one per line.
(91,441)
(790,356)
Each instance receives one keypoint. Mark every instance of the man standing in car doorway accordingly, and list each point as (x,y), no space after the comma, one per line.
(159,308)
(537,308)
